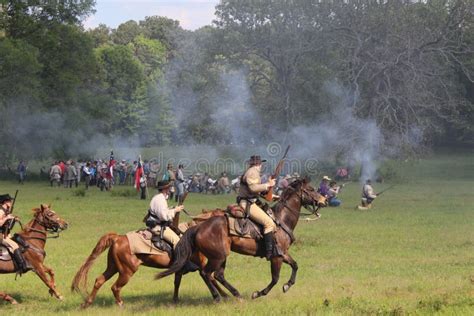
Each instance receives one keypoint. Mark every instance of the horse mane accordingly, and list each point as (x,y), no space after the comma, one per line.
(294,186)
(287,193)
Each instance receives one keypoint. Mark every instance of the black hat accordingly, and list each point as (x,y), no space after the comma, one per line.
(163,185)
(5,197)
(255,160)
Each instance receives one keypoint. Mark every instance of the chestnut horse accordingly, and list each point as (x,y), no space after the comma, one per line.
(211,238)
(34,234)
(120,260)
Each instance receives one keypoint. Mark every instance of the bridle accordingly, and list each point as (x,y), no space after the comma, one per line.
(313,206)
(50,226)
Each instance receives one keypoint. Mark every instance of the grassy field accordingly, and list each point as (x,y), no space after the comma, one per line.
(413,253)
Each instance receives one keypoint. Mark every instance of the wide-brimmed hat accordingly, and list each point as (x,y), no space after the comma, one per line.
(163,184)
(255,160)
(5,197)
(326,178)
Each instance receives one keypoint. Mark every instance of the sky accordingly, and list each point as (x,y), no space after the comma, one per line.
(191,14)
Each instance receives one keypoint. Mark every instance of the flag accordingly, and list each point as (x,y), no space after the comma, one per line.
(111,165)
(138,174)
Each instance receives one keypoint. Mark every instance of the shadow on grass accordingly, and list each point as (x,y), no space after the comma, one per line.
(140,302)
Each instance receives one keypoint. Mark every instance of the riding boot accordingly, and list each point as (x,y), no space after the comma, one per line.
(20,261)
(269,243)
(19,240)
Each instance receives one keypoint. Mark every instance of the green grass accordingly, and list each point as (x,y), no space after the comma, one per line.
(413,253)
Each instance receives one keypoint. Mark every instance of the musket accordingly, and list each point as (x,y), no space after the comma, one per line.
(390,187)
(11,222)
(269,195)
(180,202)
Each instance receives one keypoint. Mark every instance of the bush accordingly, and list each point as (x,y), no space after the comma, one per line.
(129,192)
(81,192)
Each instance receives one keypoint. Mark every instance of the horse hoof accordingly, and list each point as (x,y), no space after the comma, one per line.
(13,302)
(217,299)
(60,297)
(255,295)
(120,304)
(286,287)
(240,299)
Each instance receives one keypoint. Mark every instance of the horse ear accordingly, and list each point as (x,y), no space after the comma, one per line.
(44,207)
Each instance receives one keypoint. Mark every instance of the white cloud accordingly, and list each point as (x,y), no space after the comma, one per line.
(191,14)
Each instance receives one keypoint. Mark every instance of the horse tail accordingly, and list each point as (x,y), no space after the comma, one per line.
(79,283)
(182,252)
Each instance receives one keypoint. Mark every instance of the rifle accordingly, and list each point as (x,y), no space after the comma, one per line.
(11,222)
(269,195)
(176,216)
(390,187)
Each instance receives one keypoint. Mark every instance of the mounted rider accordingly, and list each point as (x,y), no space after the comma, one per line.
(6,217)
(160,218)
(248,198)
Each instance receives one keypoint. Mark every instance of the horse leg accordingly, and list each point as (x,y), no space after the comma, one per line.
(8,298)
(41,272)
(177,283)
(294,268)
(219,289)
(219,275)
(276,267)
(50,271)
(206,274)
(124,277)
(99,281)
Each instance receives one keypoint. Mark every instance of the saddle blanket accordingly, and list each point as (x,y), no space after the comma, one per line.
(140,243)
(4,254)
(250,230)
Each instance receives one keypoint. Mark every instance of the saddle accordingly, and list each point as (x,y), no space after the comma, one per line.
(241,225)
(5,254)
(160,243)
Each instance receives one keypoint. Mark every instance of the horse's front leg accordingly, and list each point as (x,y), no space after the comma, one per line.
(276,267)
(8,298)
(41,272)
(50,271)
(294,268)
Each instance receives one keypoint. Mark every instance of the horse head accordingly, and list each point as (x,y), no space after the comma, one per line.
(48,218)
(306,192)
(310,196)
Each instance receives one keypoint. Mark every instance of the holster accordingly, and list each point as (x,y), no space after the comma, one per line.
(248,204)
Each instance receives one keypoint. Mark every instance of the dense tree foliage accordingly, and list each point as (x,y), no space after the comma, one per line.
(269,65)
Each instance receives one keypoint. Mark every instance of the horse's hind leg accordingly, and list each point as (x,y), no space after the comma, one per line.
(276,267)
(218,288)
(206,274)
(294,268)
(177,283)
(99,281)
(219,275)
(8,298)
(124,277)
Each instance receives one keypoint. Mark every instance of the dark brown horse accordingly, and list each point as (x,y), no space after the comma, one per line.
(34,234)
(211,238)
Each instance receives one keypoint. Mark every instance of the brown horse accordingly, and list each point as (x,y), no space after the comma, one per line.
(211,238)
(34,234)
(120,260)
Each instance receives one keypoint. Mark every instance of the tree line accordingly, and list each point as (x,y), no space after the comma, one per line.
(407,65)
